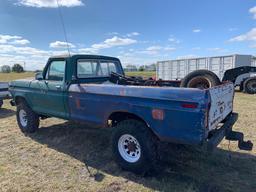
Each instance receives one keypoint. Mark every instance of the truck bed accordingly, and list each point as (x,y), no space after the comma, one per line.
(91,102)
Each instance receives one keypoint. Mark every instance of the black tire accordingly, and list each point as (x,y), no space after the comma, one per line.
(241,86)
(250,85)
(202,79)
(32,119)
(146,140)
(1,103)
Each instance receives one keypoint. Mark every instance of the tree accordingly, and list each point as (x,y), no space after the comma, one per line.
(130,68)
(17,68)
(141,68)
(151,67)
(6,69)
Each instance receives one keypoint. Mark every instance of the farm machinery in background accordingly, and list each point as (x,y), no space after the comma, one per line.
(206,72)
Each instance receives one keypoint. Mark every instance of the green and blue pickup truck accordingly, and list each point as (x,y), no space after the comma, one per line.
(93,90)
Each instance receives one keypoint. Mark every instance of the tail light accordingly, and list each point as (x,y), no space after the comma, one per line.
(189,105)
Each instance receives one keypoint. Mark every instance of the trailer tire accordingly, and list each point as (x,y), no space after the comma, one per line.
(27,119)
(134,147)
(250,85)
(241,86)
(202,79)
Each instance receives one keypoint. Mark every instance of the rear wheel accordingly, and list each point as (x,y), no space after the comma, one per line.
(250,85)
(134,146)
(202,79)
(27,119)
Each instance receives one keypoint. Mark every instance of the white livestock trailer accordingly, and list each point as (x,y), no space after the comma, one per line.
(236,68)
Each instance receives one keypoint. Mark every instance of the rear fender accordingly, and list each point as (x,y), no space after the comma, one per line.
(232,74)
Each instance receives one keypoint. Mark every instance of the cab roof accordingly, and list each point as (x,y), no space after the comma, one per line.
(84,56)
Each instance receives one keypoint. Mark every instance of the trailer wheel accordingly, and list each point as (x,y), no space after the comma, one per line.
(27,119)
(250,85)
(202,79)
(241,86)
(134,147)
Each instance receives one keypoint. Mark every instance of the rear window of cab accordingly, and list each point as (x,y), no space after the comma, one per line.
(90,68)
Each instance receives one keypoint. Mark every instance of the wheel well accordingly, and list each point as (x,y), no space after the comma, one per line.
(19,99)
(117,117)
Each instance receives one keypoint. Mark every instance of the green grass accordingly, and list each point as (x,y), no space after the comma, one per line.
(12,76)
(145,74)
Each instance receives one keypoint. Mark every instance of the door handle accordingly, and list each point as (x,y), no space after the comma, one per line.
(58,87)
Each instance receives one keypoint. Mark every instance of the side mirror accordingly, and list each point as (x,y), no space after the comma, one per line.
(39,76)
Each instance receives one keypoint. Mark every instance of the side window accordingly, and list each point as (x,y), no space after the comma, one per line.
(56,71)
(86,68)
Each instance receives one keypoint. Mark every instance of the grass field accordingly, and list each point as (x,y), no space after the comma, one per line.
(64,156)
(145,74)
(12,76)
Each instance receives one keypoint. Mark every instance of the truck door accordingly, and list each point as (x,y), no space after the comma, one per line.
(52,87)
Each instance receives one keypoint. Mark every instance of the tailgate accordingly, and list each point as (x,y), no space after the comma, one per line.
(221,104)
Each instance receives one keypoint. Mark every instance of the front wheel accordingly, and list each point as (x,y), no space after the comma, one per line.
(27,119)
(134,146)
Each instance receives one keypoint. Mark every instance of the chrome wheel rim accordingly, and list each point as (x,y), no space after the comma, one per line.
(129,148)
(23,118)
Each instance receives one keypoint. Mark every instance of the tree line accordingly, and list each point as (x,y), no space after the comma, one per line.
(17,68)
(131,67)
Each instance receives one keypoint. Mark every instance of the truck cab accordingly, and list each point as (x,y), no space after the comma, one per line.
(51,85)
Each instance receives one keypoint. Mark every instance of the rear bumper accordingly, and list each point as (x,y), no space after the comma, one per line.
(226,131)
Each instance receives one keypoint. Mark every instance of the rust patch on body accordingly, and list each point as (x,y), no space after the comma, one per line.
(78,104)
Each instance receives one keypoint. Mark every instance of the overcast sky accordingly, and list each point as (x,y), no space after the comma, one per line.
(137,31)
